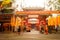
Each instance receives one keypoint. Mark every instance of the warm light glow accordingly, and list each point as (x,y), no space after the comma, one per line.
(33,19)
(33,16)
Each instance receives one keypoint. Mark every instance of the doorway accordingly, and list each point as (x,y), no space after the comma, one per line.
(33,26)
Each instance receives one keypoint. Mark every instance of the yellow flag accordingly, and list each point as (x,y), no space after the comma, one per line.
(6,1)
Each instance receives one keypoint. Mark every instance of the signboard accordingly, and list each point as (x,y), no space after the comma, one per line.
(33,20)
(33,16)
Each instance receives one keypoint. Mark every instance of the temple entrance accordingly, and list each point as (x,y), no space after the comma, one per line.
(33,26)
(29,22)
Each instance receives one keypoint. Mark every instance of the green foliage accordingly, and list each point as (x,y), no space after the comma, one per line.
(58,8)
(55,3)
(7,10)
(7,5)
(59,1)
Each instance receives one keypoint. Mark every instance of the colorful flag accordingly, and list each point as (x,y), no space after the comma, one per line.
(6,1)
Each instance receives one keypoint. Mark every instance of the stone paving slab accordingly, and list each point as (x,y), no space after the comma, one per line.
(33,35)
(14,36)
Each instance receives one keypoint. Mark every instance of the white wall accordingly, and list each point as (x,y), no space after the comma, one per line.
(18,5)
(33,3)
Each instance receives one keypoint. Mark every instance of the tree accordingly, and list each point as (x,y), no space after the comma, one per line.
(55,3)
(59,4)
(59,1)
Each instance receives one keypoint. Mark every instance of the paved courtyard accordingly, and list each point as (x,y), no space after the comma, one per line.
(33,35)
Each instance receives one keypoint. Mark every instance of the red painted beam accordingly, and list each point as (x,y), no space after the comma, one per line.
(37,12)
